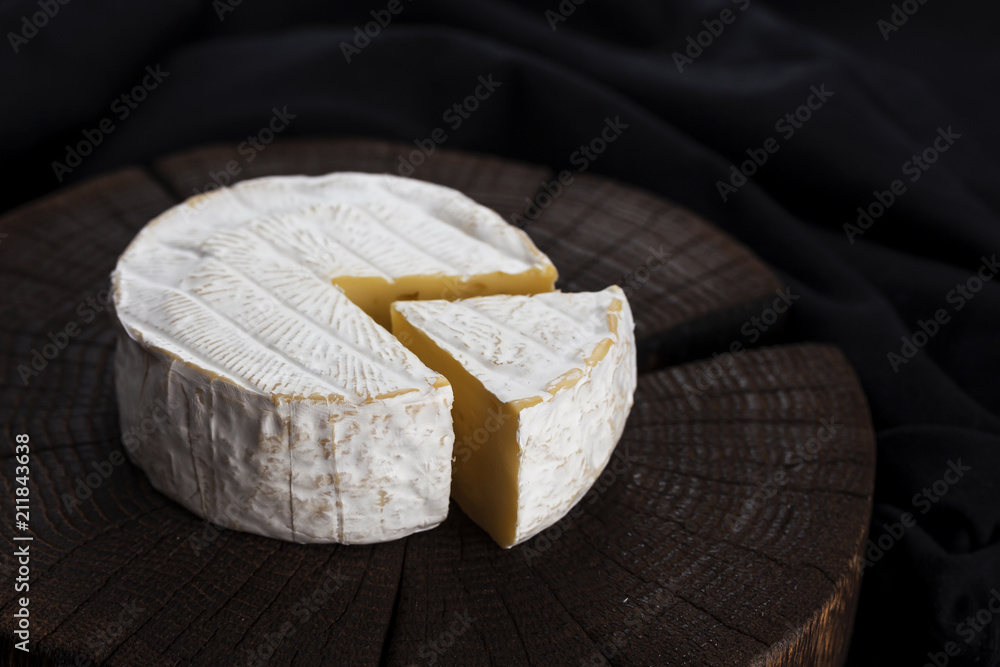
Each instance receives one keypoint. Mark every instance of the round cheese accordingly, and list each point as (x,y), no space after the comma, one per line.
(254,318)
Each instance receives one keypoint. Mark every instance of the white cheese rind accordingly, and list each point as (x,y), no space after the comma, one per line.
(522,348)
(191,433)
(289,411)
(566,442)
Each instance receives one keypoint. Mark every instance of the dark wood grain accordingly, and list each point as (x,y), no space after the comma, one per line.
(718,535)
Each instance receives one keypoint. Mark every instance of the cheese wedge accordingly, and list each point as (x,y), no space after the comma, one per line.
(543,386)
(252,371)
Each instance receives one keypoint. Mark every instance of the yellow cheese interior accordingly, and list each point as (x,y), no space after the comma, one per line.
(375,295)
(486,458)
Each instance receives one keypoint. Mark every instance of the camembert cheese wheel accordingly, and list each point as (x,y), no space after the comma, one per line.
(255,317)
(543,386)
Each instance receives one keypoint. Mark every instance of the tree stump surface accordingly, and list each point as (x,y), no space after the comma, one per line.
(727,529)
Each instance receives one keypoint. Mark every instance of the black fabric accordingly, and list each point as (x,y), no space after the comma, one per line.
(938,415)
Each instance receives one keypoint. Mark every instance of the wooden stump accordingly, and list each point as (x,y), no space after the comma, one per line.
(728,528)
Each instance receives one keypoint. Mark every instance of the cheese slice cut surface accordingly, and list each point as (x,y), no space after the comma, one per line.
(253,371)
(543,386)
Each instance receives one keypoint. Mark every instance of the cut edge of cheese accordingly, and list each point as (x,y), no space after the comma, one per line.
(534,427)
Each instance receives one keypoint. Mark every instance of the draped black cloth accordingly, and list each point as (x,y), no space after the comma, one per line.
(852,145)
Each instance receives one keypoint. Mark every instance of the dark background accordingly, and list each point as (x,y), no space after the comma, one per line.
(940,69)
